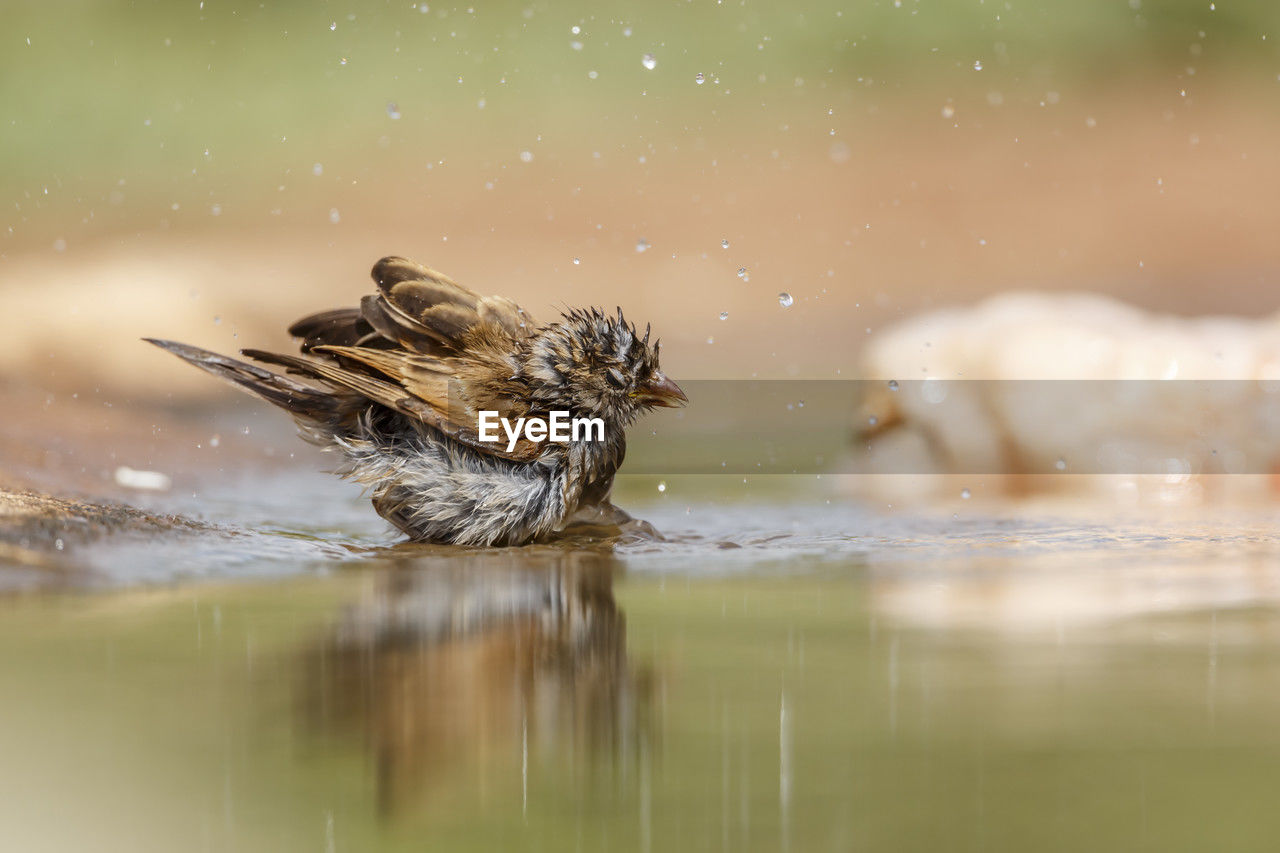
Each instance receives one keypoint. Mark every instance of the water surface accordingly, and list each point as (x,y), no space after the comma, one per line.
(786,672)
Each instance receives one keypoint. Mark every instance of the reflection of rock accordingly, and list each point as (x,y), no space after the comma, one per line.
(451,662)
(1073,589)
(1079,387)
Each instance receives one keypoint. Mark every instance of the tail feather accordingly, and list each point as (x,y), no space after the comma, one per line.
(295,397)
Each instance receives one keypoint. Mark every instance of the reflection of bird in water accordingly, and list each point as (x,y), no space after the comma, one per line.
(398,387)
(449,666)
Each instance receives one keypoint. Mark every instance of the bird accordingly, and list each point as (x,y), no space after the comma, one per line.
(397,387)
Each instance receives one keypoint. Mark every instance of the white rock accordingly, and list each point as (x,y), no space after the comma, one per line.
(1150,436)
(152,481)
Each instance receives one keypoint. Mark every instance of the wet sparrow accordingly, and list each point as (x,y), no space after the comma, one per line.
(398,385)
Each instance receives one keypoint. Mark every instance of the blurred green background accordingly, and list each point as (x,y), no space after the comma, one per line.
(207,102)
(170,166)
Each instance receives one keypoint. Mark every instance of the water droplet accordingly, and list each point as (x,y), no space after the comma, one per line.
(724,244)
(662,486)
(576,45)
(59,245)
(334,216)
(642,244)
(1061,464)
(215,210)
(217,321)
(626,32)
(977,65)
(577,261)
(966,494)
(317,169)
(575,29)
(724,315)
(872,421)
(333,25)
(649,61)
(526,156)
(392,110)
(893,385)
(711,340)
(744,274)
(785,300)
(342,61)
(699,78)
(948,111)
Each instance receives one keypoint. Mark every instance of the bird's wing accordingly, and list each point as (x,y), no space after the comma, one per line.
(424,388)
(427,312)
(419,309)
(424,346)
(341,327)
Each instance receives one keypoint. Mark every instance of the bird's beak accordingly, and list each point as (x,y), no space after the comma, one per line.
(661,391)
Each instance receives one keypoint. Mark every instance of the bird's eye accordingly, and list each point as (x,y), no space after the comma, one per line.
(615,377)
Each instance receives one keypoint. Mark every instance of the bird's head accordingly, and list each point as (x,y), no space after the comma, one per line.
(599,365)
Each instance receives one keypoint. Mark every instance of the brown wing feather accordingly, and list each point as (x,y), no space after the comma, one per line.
(452,422)
(506,314)
(341,326)
(424,346)
(372,388)
(417,302)
(419,309)
(424,377)
(397,327)
(436,383)
(393,269)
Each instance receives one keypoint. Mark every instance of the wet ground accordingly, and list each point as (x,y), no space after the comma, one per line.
(250,661)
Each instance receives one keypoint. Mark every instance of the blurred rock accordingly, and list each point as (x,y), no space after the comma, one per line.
(1030,392)
(42,537)
(75,324)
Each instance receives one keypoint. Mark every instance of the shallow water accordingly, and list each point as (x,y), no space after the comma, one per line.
(788,671)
